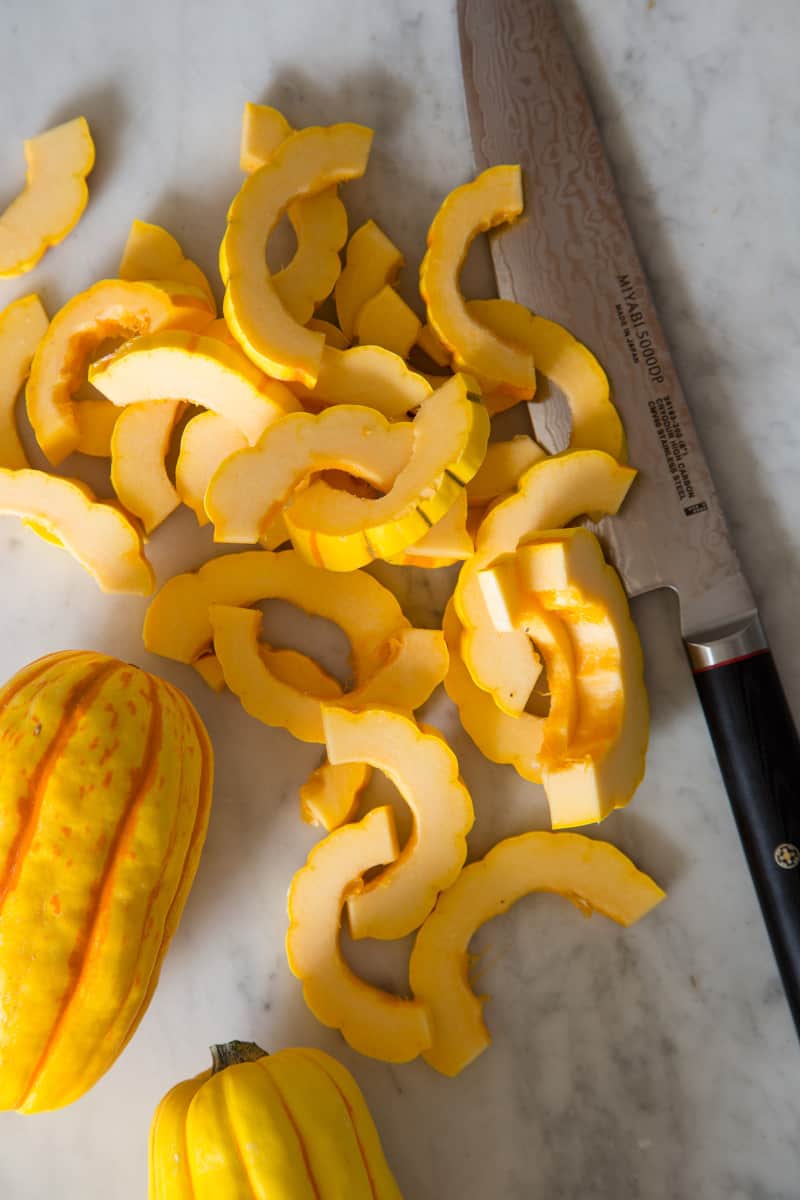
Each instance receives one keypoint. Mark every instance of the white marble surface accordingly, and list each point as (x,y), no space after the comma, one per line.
(657,1063)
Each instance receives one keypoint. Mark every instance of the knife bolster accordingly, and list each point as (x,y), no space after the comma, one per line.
(731,644)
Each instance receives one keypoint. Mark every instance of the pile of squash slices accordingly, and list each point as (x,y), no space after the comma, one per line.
(323,444)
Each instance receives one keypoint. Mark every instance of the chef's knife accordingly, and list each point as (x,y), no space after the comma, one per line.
(572,259)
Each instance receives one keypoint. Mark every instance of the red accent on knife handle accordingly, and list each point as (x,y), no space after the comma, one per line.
(758,749)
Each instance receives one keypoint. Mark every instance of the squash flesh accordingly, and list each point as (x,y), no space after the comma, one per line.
(23,324)
(331,794)
(139,446)
(386,320)
(371,262)
(368,375)
(152,253)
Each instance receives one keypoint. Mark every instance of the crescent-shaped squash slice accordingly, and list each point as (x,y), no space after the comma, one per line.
(96,418)
(177,624)
(306,163)
(593,875)
(23,324)
(53,199)
(264,128)
(567,363)
(386,320)
(110,308)
(603,761)
(251,488)
(374,1022)
(500,738)
(494,198)
(368,375)
(153,253)
(431,344)
(341,532)
(447,542)
(411,671)
(425,771)
(139,446)
(288,665)
(98,535)
(331,794)
(332,333)
(178,365)
(207,440)
(500,471)
(371,262)
(550,495)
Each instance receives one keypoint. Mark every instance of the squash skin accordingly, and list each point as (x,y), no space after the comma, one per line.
(291,1125)
(114,770)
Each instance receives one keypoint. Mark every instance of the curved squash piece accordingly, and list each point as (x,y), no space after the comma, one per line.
(98,535)
(331,795)
(550,495)
(341,532)
(290,666)
(425,771)
(593,875)
(207,440)
(23,324)
(251,488)
(96,418)
(53,199)
(500,471)
(431,344)
(306,163)
(368,375)
(264,128)
(177,624)
(386,320)
(494,198)
(602,762)
(500,738)
(567,363)
(447,542)
(371,261)
(152,253)
(177,365)
(139,447)
(374,1022)
(415,662)
(111,308)
(332,333)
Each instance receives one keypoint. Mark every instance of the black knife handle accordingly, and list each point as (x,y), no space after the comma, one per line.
(756,742)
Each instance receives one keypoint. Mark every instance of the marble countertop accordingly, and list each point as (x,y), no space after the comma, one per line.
(657,1063)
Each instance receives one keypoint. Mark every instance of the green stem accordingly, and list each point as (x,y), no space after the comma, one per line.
(230,1054)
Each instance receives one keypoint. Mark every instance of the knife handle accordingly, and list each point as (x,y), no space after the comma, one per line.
(758,749)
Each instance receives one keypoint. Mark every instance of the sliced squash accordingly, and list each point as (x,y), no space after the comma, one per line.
(250,489)
(414,663)
(603,760)
(177,365)
(207,440)
(209,670)
(341,532)
(374,1022)
(425,772)
(177,624)
(306,163)
(550,495)
(501,469)
(331,795)
(139,446)
(54,197)
(96,419)
(562,359)
(500,738)
(386,320)
(494,198)
(332,333)
(23,324)
(431,344)
(264,128)
(368,375)
(98,535)
(447,542)
(111,308)
(153,253)
(593,875)
(371,262)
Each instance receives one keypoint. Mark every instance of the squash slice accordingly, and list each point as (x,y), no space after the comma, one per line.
(53,199)
(251,488)
(431,344)
(342,532)
(331,795)
(602,762)
(551,494)
(494,198)
(593,875)
(111,308)
(447,542)
(500,471)
(207,440)
(332,333)
(177,624)
(201,370)
(139,446)
(306,163)
(23,324)
(567,363)
(96,419)
(371,262)
(153,253)
(386,320)
(97,534)
(368,375)
(374,1022)
(425,772)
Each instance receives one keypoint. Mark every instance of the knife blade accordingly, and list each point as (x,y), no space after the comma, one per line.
(572,258)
